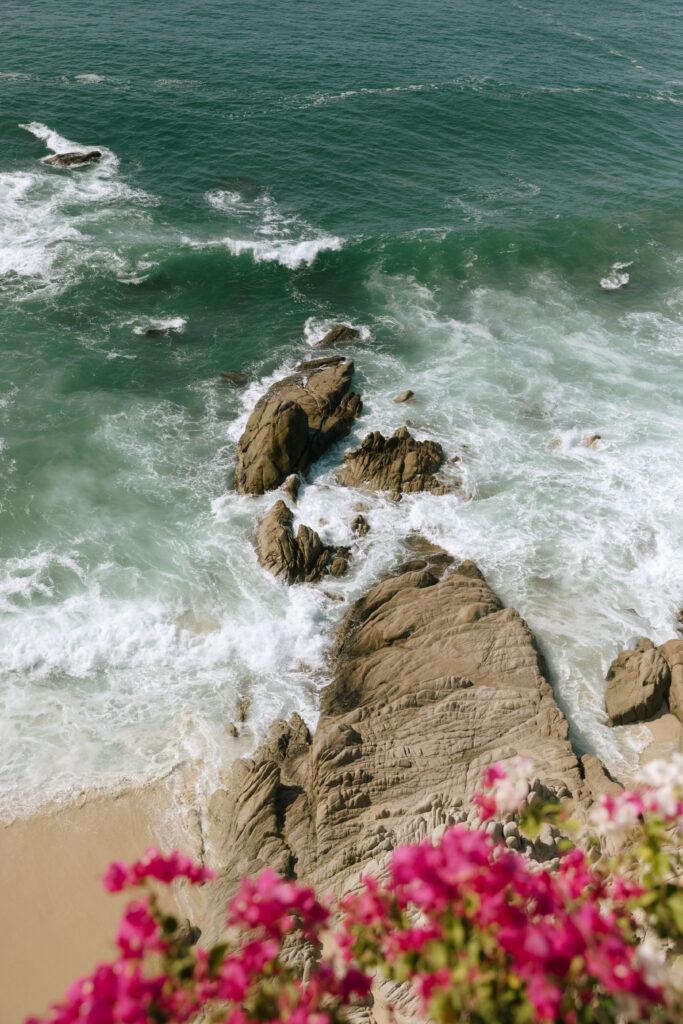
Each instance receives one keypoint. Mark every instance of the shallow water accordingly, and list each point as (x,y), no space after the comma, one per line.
(468,184)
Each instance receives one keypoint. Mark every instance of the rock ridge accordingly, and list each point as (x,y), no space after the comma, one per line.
(433,680)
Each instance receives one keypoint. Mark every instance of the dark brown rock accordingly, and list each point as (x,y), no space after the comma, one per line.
(294,423)
(73,159)
(299,559)
(398,464)
(639,683)
(340,334)
(233,378)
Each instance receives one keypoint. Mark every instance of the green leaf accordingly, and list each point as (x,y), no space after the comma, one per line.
(217,956)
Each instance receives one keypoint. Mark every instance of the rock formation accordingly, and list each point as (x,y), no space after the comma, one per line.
(433,680)
(295,422)
(73,159)
(339,334)
(404,396)
(641,681)
(298,559)
(398,464)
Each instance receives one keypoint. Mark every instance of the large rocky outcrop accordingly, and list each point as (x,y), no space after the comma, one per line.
(398,464)
(434,679)
(295,422)
(642,680)
(298,559)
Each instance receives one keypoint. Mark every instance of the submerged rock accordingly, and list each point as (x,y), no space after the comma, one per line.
(295,422)
(233,378)
(73,159)
(298,559)
(397,464)
(339,334)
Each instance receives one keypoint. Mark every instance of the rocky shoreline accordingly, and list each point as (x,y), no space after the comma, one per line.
(433,679)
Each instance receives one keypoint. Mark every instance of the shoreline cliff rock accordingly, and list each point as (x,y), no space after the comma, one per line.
(433,680)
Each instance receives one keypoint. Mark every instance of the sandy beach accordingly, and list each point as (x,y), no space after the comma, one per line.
(59,922)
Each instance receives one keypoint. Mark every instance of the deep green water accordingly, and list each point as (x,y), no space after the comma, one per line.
(454,178)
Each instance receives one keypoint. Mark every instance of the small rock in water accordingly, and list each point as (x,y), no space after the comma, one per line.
(404,396)
(340,333)
(396,464)
(73,159)
(233,378)
(360,526)
(592,440)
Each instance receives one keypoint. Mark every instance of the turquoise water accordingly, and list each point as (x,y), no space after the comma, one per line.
(456,179)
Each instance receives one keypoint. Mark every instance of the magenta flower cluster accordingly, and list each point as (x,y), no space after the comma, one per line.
(482,933)
(542,929)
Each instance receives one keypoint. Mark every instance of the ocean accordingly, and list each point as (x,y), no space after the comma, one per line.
(490,191)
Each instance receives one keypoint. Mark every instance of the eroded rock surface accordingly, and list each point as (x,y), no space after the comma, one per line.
(295,422)
(297,559)
(434,679)
(639,681)
(398,464)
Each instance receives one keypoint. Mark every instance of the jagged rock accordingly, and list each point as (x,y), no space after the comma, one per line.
(433,681)
(398,464)
(638,684)
(360,525)
(404,396)
(299,559)
(339,566)
(73,159)
(291,486)
(339,334)
(294,423)
(233,378)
